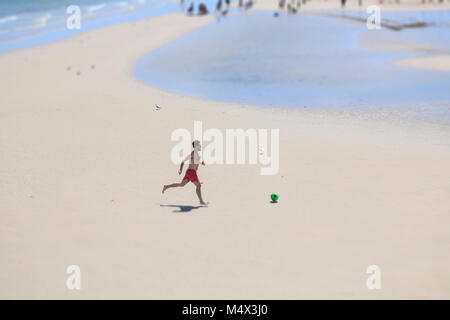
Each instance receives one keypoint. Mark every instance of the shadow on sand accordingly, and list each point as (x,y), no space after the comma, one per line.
(181,208)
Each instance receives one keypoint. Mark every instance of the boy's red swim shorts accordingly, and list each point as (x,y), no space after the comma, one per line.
(191,175)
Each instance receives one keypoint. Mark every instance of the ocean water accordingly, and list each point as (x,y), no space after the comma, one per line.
(25,23)
(298,60)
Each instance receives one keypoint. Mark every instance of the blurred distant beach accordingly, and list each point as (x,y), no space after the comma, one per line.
(364,169)
(24,23)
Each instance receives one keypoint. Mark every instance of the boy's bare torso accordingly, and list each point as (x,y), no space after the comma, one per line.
(194,160)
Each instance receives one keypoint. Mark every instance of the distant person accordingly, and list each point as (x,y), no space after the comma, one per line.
(190,10)
(248,4)
(360,3)
(191,172)
(219,5)
(281,4)
(228,2)
(202,9)
(241,3)
(343,3)
(292,7)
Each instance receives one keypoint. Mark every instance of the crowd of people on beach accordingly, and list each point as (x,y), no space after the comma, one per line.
(295,5)
(291,6)
(222,7)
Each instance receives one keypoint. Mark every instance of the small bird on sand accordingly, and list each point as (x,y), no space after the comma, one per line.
(261,150)
(157,107)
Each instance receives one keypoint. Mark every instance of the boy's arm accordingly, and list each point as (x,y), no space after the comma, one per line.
(202,162)
(181,167)
(182,164)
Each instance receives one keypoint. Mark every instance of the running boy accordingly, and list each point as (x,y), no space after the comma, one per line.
(191,172)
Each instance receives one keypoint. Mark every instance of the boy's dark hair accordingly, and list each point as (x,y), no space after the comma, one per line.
(194,143)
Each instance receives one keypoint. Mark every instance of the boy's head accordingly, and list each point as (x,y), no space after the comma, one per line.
(196,145)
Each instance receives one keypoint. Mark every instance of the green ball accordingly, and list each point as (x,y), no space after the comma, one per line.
(274,197)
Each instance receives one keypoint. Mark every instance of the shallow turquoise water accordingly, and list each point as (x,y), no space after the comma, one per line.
(291,61)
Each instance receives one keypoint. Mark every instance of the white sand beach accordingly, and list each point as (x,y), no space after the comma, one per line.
(83,159)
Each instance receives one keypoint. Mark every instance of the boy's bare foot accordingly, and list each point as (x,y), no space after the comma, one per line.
(164,188)
(204,203)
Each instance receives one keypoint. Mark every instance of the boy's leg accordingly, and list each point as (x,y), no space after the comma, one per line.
(198,189)
(175,185)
